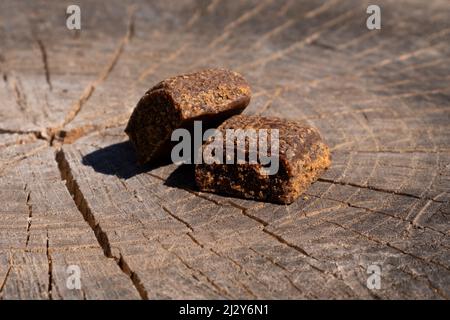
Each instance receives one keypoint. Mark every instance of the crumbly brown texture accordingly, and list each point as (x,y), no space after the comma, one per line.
(303,156)
(211,95)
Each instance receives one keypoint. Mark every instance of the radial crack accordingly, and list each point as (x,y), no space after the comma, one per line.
(45,62)
(50,269)
(30,216)
(86,212)
(2,286)
(89,90)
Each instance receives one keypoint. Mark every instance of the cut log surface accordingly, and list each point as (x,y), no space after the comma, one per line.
(71,193)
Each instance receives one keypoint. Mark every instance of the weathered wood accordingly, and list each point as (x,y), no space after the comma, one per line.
(42,234)
(71,192)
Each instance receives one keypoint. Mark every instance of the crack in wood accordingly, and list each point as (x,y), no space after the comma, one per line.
(30,216)
(2,286)
(45,62)
(134,277)
(19,132)
(246,288)
(426,261)
(415,221)
(411,224)
(231,26)
(69,137)
(83,207)
(265,224)
(280,239)
(290,245)
(220,291)
(346,183)
(177,218)
(271,260)
(427,282)
(21,98)
(89,90)
(375,61)
(14,161)
(299,44)
(244,211)
(275,263)
(191,236)
(50,269)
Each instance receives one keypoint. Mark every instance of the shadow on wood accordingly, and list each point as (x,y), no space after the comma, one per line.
(183,177)
(119,160)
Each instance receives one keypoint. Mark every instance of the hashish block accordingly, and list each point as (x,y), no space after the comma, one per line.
(302,157)
(211,95)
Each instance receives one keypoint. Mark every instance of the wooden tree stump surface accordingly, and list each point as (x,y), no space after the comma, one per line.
(71,193)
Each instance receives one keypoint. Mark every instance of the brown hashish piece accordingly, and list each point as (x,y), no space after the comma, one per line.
(212,95)
(302,157)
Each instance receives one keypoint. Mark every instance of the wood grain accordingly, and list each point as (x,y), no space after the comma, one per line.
(72,194)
